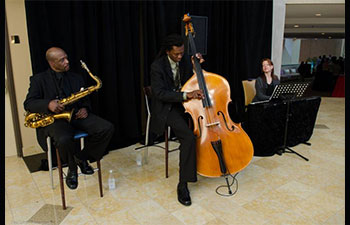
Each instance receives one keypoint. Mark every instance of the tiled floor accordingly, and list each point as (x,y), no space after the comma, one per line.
(271,190)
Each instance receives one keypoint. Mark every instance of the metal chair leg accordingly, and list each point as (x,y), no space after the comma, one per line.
(49,159)
(60,173)
(100,177)
(166,152)
(81,143)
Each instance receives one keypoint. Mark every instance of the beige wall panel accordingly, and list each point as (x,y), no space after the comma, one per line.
(10,144)
(315,48)
(21,67)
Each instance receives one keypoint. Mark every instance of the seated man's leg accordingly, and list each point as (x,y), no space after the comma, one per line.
(188,169)
(63,138)
(62,134)
(100,133)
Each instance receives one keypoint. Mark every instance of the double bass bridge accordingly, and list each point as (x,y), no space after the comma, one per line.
(212,124)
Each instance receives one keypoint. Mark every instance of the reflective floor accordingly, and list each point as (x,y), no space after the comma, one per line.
(271,190)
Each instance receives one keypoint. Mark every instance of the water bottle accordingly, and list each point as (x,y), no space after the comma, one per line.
(111,180)
(139,158)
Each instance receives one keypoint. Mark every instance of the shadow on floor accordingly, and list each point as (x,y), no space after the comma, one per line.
(33,162)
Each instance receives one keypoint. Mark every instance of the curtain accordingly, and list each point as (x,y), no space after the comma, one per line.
(118,40)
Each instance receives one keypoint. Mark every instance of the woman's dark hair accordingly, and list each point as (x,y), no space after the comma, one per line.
(274,77)
(168,43)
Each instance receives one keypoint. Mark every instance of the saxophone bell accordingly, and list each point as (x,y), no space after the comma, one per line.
(64,115)
(35,120)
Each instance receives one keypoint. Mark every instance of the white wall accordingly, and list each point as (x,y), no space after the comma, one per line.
(315,1)
(278,18)
(291,50)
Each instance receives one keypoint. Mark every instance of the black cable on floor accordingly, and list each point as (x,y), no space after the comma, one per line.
(225,186)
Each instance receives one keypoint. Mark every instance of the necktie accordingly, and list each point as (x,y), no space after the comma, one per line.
(177,80)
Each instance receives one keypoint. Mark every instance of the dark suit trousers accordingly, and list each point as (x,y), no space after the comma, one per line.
(62,132)
(187,164)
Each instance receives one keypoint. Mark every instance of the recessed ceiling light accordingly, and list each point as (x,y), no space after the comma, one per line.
(296,25)
(318,14)
(329,37)
(322,33)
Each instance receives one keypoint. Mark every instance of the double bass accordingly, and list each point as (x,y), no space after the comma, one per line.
(222,146)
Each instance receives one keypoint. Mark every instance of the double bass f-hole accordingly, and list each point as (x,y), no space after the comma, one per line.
(199,127)
(223,116)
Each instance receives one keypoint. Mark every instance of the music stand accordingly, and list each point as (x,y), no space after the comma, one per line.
(287,92)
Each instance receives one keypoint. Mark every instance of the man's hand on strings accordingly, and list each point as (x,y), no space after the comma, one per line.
(197,94)
(198,56)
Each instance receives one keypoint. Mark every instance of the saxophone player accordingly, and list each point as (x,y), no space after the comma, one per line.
(44,94)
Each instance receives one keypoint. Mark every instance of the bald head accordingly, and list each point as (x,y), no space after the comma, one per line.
(57,59)
(52,52)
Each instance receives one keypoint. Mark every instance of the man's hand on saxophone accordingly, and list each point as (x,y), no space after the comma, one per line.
(55,106)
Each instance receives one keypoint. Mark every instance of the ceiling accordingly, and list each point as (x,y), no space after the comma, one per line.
(331,23)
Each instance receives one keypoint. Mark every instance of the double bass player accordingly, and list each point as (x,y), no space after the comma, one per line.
(217,147)
(170,70)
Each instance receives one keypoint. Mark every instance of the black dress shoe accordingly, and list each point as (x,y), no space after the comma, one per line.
(84,166)
(72,179)
(183,195)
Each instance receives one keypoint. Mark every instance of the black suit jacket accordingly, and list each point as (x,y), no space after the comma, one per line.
(43,89)
(164,91)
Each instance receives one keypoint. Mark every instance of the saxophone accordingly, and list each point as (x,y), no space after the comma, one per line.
(35,120)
